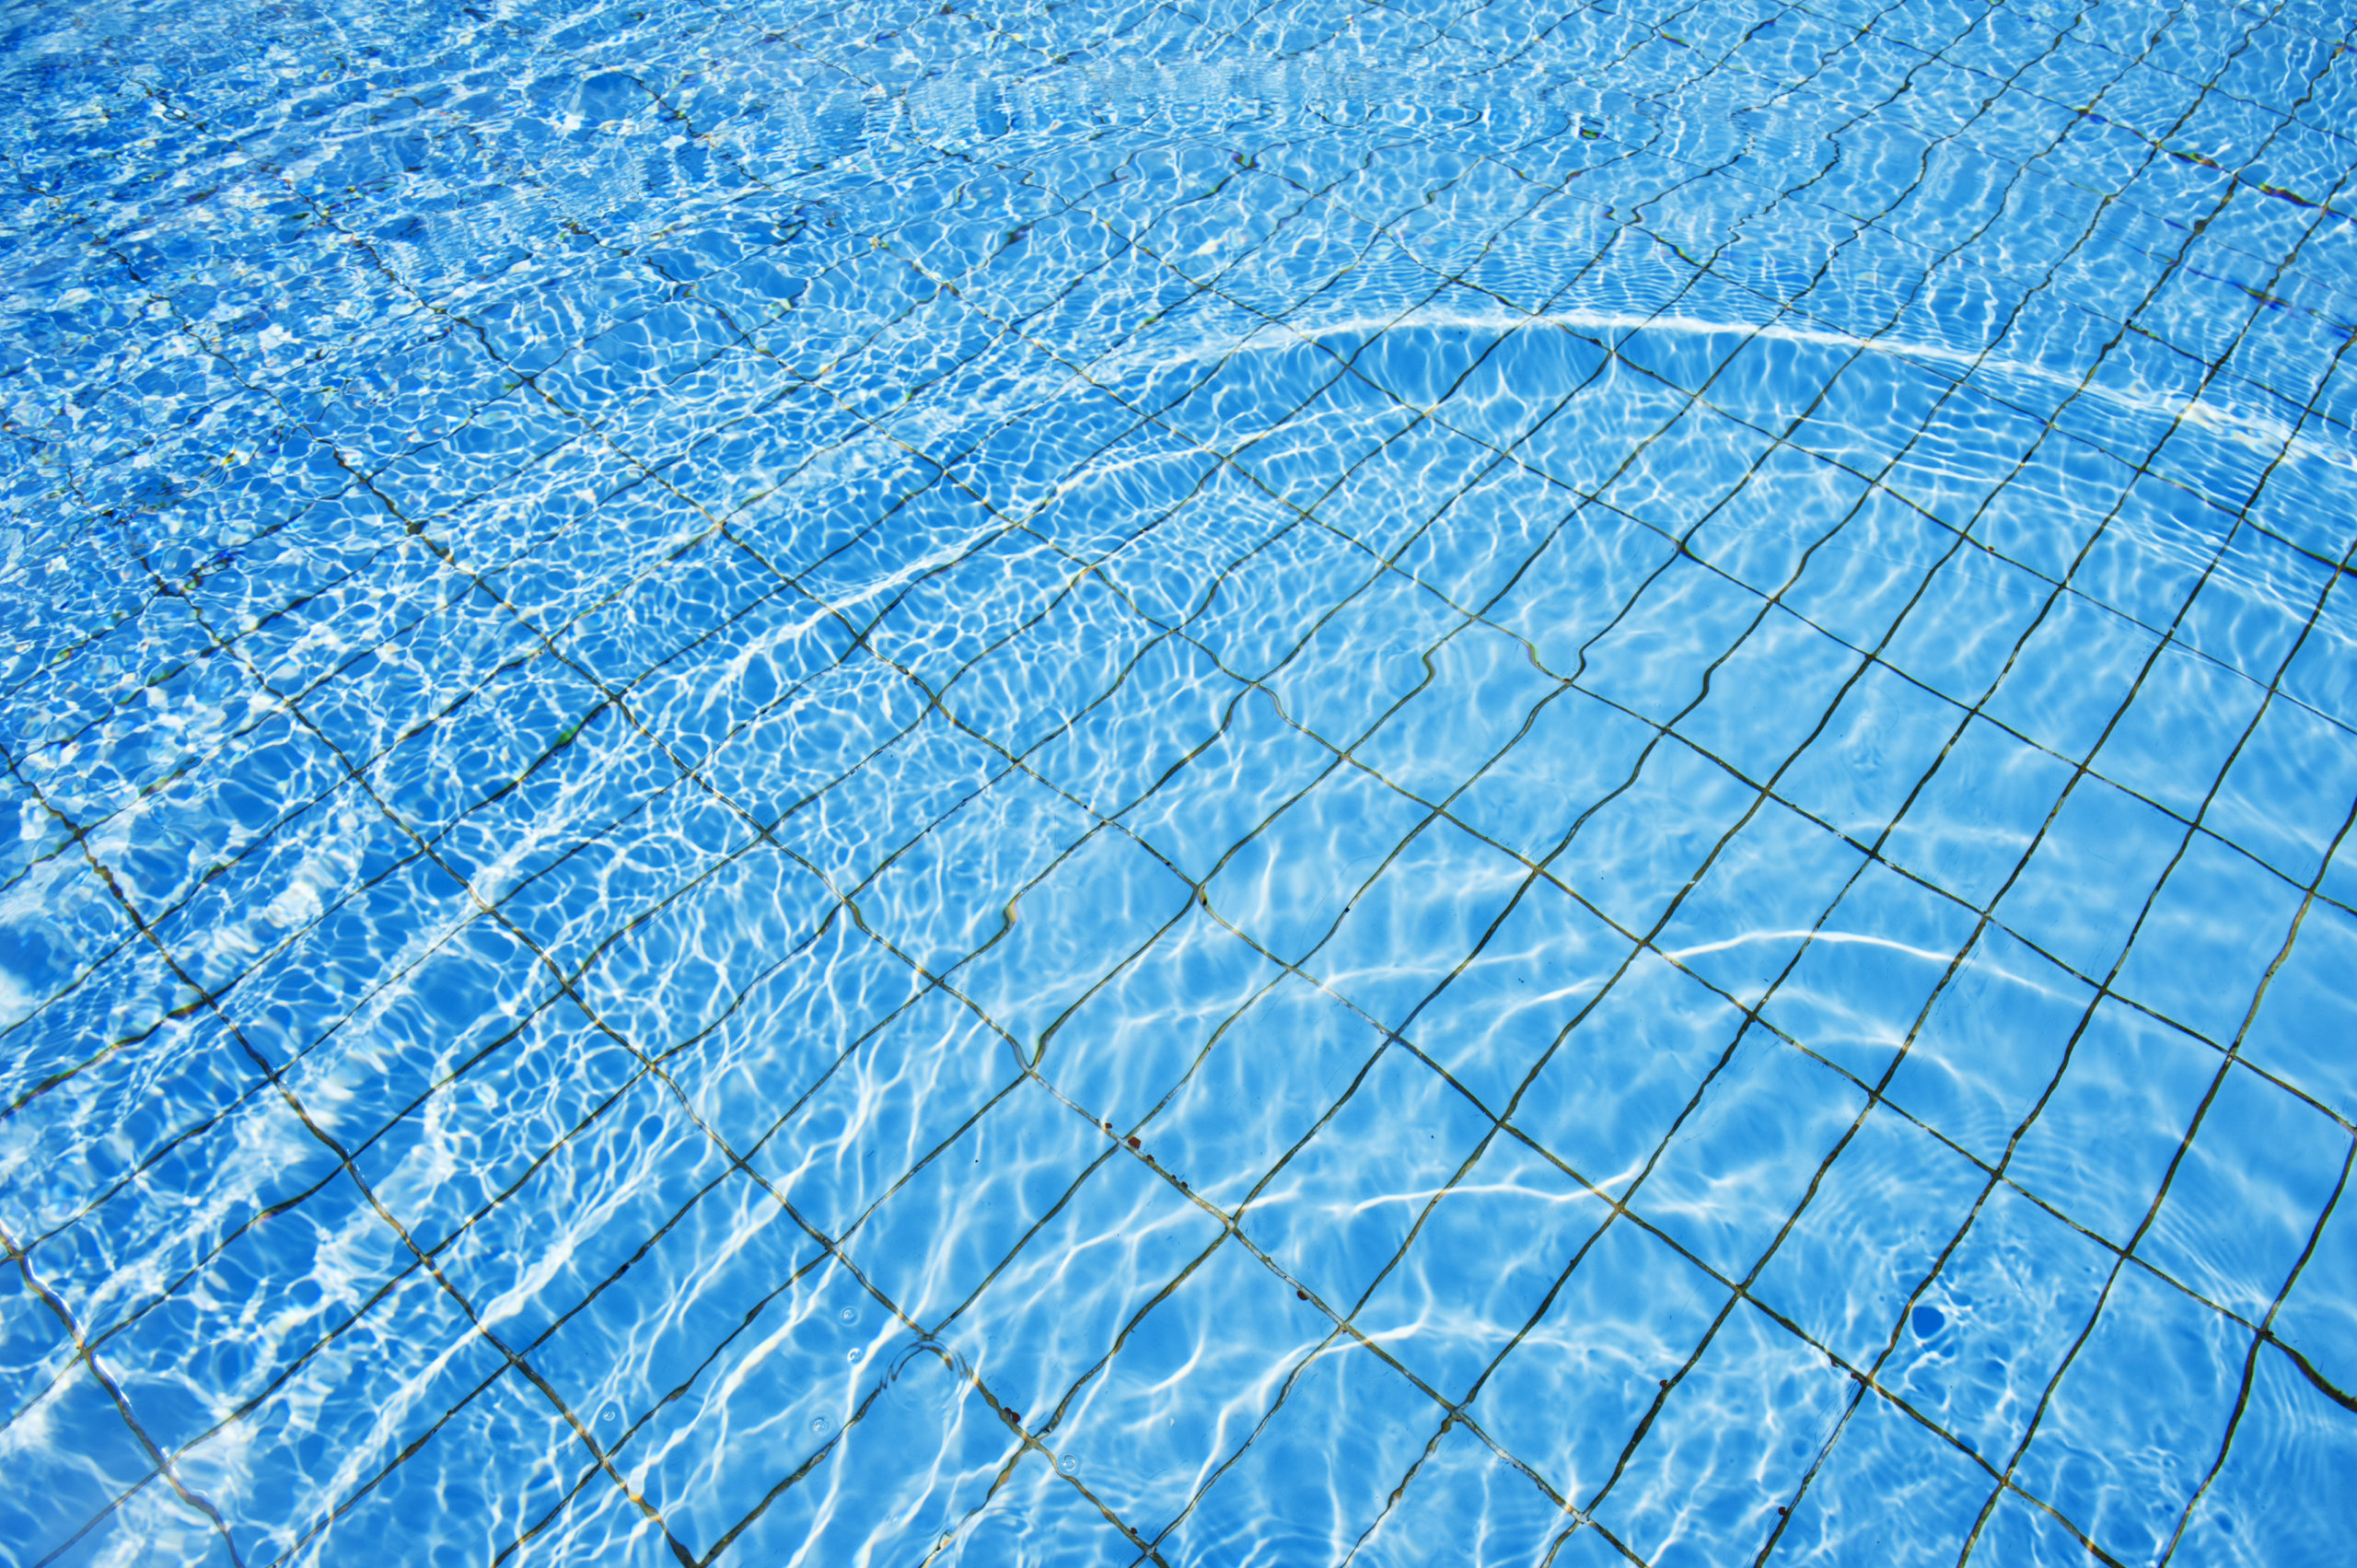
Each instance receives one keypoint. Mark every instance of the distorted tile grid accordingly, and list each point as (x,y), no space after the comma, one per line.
(1186,784)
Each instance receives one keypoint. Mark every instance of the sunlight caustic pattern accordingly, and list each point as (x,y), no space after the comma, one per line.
(1192,783)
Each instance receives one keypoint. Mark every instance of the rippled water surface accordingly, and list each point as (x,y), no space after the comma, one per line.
(1198,783)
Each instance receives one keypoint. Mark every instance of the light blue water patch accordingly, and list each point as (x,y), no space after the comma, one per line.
(1016,783)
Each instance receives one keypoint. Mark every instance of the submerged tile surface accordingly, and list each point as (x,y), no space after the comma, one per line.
(1197,783)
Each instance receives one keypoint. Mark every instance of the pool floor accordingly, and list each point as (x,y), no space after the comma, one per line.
(1209,785)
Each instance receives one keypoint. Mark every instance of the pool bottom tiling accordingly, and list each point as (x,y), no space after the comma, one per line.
(1188,785)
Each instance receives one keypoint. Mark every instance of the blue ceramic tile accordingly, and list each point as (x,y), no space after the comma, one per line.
(1734,1171)
(1989,1044)
(685,662)
(1967,829)
(1887,1205)
(1458,1480)
(1860,986)
(2137,1419)
(2108,1134)
(2215,927)
(2013,1296)
(1885,1455)
(1347,1418)
(2290,1439)
(2084,890)
(1619,1081)
(2234,1223)
(1626,1321)
(1741,1427)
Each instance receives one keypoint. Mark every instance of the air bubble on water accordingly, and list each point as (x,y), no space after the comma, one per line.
(851,1355)
(1069,1464)
(820,1426)
(610,1414)
(849,1315)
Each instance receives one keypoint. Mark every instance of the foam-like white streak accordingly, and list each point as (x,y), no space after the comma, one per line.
(2258,432)
(1859,939)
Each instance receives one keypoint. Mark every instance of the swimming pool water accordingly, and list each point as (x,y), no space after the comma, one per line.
(1203,784)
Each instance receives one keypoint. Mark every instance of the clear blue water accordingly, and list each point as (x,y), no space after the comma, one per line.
(1195,784)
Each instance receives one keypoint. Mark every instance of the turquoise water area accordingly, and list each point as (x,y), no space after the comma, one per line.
(1192,783)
